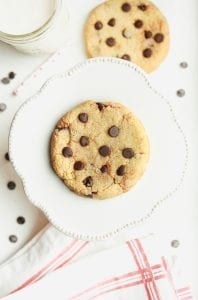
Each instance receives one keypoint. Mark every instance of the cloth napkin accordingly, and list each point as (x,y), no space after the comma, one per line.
(71,269)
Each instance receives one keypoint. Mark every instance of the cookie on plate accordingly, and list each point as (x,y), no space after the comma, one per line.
(133,30)
(99,150)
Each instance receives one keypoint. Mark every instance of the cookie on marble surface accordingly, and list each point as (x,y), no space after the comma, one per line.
(133,30)
(99,150)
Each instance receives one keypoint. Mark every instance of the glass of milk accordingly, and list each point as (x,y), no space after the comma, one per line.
(34,26)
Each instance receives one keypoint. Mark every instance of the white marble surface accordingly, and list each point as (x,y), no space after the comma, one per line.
(177,219)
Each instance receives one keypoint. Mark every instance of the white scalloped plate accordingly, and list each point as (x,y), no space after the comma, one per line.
(100,79)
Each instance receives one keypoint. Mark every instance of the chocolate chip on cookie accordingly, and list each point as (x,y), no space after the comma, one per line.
(148,34)
(84,141)
(138,24)
(126,57)
(79,165)
(110,42)
(83,117)
(128,153)
(113,131)
(147,53)
(159,37)
(121,171)
(104,151)
(67,152)
(88,182)
(101,106)
(98,25)
(104,169)
(126,7)
(112,22)
(142,7)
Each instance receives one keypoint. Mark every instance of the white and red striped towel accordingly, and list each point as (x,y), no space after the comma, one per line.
(136,270)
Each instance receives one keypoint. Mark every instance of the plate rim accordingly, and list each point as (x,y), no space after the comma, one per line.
(70,72)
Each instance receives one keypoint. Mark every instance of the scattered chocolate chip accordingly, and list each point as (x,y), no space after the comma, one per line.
(83,117)
(112,22)
(110,42)
(126,7)
(5,80)
(113,131)
(84,141)
(67,152)
(7,156)
(175,243)
(79,165)
(104,151)
(181,93)
(104,169)
(11,185)
(142,7)
(3,107)
(127,33)
(121,171)
(88,182)
(98,25)
(128,153)
(13,238)
(21,220)
(101,106)
(147,52)
(138,24)
(159,37)
(184,65)
(11,75)
(148,34)
(126,57)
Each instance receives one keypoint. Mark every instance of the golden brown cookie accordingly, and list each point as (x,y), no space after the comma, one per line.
(99,150)
(133,30)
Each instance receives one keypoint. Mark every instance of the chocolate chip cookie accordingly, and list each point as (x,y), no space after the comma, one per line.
(99,150)
(133,30)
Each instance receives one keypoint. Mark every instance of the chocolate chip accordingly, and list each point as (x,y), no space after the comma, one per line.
(148,34)
(7,156)
(13,238)
(98,25)
(110,42)
(126,7)
(83,117)
(113,131)
(5,80)
(104,169)
(159,37)
(138,24)
(11,75)
(142,7)
(67,152)
(126,57)
(3,107)
(101,106)
(121,171)
(88,182)
(79,165)
(104,151)
(112,22)
(11,185)
(84,141)
(21,220)
(147,52)
(128,153)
